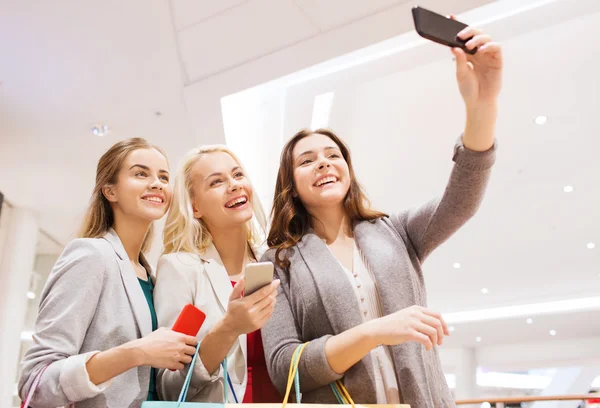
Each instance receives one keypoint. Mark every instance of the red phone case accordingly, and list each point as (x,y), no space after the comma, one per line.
(190,320)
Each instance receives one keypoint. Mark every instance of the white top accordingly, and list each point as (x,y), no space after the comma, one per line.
(365,290)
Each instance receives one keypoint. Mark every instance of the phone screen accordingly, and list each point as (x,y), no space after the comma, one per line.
(257,276)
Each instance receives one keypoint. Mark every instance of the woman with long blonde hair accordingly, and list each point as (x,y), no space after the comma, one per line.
(94,341)
(214,228)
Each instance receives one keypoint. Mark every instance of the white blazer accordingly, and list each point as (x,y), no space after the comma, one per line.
(183,278)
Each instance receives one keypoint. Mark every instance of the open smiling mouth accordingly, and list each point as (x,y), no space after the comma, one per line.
(236,202)
(154,199)
(326,180)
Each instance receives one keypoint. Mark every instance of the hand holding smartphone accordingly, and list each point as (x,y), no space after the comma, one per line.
(440,29)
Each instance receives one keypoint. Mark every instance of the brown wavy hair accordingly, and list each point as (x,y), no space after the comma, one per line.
(99,217)
(290,220)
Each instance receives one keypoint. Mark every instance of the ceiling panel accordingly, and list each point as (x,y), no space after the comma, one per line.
(241,34)
(188,12)
(333,13)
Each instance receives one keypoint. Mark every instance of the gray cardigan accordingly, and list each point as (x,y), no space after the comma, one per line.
(316,301)
(92,301)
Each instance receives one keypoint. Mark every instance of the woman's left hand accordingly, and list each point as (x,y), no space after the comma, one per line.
(479,76)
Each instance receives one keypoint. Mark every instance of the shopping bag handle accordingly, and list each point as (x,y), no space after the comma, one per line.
(338,388)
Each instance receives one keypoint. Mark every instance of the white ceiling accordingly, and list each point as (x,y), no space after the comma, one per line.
(67,66)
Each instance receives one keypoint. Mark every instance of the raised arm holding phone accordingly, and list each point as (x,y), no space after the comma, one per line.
(351,277)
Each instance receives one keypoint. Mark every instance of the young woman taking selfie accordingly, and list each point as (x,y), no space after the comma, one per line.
(351,277)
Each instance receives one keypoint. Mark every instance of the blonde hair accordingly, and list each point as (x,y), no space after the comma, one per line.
(183,232)
(99,217)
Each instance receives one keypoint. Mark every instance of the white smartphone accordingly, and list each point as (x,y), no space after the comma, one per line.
(257,276)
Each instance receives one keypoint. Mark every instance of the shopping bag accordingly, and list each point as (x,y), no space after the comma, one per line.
(180,403)
(339,390)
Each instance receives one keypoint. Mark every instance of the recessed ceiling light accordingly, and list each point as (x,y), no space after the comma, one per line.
(100,130)
(568,189)
(529,321)
(591,245)
(540,120)
(485,291)
(478,339)
(30,295)
(524,310)
(451,329)
(456,265)
(552,332)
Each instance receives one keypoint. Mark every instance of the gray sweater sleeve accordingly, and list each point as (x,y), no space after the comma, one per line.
(432,224)
(281,336)
(67,306)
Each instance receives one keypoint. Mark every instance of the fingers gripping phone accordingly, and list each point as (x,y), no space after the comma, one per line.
(257,275)
(439,29)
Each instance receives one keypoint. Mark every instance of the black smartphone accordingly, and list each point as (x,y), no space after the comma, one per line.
(440,29)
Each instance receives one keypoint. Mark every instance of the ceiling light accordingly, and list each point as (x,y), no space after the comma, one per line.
(591,245)
(26,336)
(485,291)
(527,310)
(486,405)
(552,332)
(540,120)
(509,380)
(30,295)
(568,189)
(529,321)
(322,110)
(514,381)
(100,130)
(456,265)
(451,329)
(478,339)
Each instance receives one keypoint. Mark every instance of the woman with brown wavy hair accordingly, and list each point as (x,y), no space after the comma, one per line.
(351,278)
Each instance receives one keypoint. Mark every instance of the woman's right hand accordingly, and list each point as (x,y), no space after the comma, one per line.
(414,323)
(165,348)
(250,313)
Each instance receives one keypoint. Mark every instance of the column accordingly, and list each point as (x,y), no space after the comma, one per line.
(466,374)
(16,267)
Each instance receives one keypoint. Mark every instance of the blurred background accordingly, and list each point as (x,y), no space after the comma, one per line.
(519,284)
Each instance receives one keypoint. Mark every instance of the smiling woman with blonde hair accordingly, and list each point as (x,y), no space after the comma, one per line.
(214,228)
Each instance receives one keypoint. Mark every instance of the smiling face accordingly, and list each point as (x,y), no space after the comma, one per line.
(321,174)
(221,193)
(142,188)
